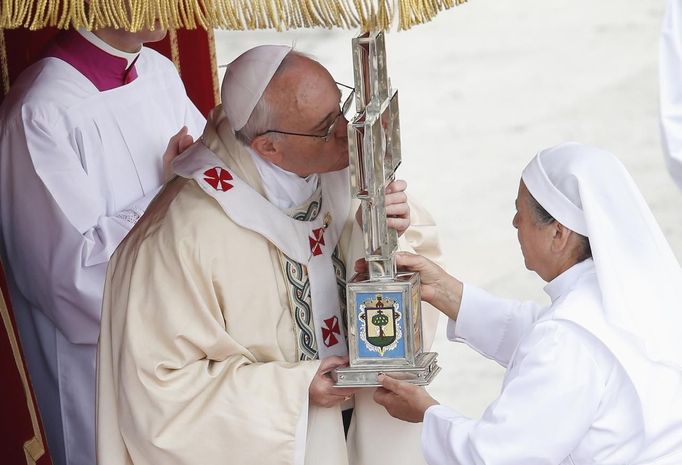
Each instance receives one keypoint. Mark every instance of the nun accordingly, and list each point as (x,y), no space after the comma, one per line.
(596,376)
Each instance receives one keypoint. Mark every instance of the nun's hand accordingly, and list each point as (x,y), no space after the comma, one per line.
(437,287)
(403,400)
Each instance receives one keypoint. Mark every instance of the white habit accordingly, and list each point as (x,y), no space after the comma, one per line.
(77,169)
(564,398)
(670,88)
(595,377)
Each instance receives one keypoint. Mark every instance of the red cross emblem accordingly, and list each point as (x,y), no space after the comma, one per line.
(330,330)
(317,241)
(217,177)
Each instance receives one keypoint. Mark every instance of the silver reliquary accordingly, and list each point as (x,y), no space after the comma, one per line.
(384,306)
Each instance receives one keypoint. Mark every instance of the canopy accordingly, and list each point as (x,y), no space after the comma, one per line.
(220,14)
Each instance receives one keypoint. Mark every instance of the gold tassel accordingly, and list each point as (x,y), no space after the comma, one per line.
(4,13)
(135,14)
(260,14)
(352,17)
(24,9)
(65,14)
(165,15)
(121,11)
(362,18)
(78,16)
(39,15)
(209,13)
(228,14)
(106,14)
(175,49)
(183,12)
(8,13)
(231,17)
(200,14)
(319,14)
(4,68)
(274,12)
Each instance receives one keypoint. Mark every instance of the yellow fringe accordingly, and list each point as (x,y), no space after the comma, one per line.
(4,68)
(413,12)
(175,50)
(214,65)
(134,15)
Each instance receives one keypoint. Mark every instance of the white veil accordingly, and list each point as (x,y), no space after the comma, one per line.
(589,191)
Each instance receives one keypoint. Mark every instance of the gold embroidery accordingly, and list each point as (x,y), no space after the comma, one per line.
(175,50)
(214,66)
(3,63)
(34,447)
(33,450)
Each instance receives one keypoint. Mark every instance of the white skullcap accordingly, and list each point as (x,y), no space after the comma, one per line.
(246,79)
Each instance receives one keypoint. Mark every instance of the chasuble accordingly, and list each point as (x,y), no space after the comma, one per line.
(208,344)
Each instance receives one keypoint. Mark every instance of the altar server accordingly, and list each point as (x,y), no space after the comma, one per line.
(596,376)
(82,135)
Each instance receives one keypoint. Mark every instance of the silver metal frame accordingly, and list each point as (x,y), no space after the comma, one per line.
(374,151)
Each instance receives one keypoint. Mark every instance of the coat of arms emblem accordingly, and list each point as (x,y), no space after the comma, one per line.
(379,318)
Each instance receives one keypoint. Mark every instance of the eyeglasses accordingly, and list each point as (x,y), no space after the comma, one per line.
(343,111)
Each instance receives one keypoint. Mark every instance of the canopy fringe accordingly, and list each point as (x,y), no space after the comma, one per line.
(221,14)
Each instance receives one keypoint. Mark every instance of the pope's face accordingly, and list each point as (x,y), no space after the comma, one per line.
(310,105)
(535,238)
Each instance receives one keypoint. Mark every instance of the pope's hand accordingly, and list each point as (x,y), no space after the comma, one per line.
(403,400)
(176,145)
(397,209)
(322,391)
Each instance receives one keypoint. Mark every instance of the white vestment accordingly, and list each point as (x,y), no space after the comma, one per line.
(670,88)
(206,353)
(77,169)
(565,399)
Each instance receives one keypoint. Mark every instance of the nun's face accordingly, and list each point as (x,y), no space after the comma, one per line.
(535,238)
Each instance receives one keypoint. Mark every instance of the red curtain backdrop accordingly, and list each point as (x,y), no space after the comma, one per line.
(22,439)
(193,52)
